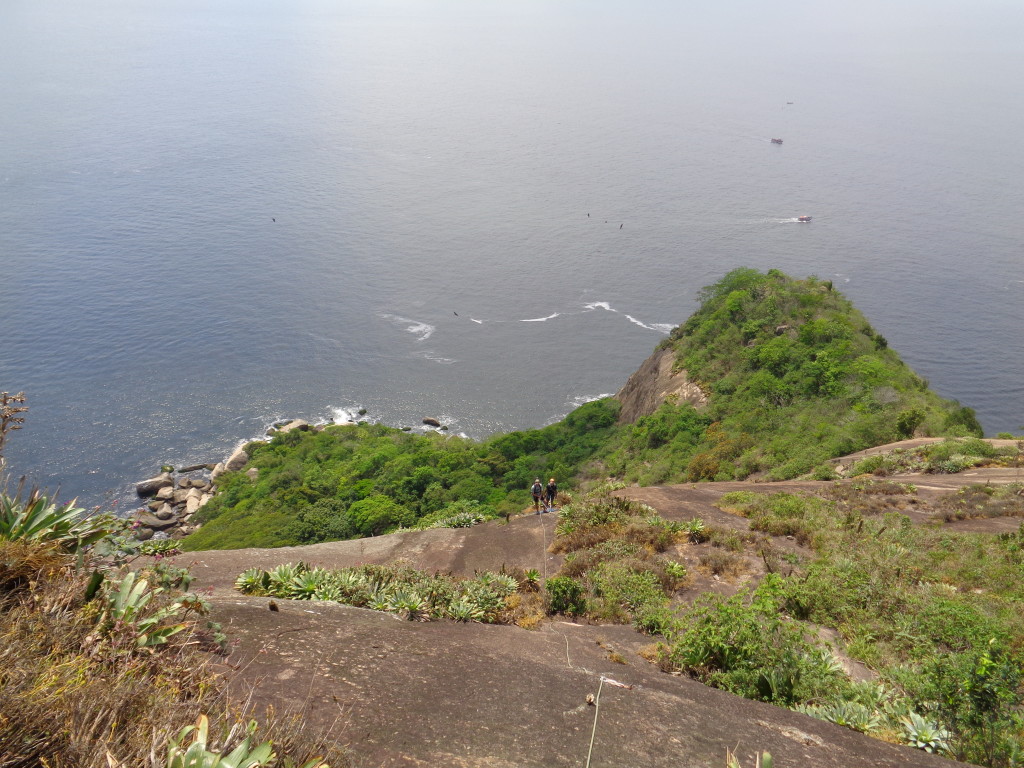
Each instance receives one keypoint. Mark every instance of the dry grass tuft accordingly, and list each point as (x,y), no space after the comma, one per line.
(69,699)
(22,563)
(723,563)
(526,609)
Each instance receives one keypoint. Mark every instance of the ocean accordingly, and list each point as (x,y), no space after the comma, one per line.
(215,214)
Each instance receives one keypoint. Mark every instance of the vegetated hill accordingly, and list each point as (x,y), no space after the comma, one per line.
(789,375)
(793,375)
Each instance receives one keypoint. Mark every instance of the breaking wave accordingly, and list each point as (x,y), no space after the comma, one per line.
(578,400)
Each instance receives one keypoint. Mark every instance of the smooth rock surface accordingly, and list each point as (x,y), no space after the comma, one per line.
(237,460)
(154,484)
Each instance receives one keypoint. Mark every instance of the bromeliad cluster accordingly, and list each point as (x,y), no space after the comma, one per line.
(410,593)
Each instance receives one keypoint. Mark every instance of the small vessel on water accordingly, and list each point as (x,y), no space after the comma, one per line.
(803,218)
(776,141)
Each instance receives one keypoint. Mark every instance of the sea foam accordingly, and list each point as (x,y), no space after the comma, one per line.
(422,331)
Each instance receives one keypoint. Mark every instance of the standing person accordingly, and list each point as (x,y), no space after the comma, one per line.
(551,491)
(538,491)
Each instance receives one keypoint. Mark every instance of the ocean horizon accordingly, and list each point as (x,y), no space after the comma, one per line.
(220,215)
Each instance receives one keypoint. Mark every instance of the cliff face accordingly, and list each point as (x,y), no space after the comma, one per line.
(652,384)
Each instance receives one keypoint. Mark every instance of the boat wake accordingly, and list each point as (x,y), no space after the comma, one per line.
(423,330)
(541,319)
(659,327)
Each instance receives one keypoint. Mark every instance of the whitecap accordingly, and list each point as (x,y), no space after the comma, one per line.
(599,305)
(541,319)
(478,322)
(660,327)
(422,331)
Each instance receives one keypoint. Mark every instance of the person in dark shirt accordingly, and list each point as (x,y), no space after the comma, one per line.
(550,492)
(538,492)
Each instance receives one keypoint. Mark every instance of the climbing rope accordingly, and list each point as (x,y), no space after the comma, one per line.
(593,733)
(544,551)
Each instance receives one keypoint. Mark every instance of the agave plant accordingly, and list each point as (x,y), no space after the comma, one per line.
(676,570)
(485,598)
(196,755)
(160,547)
(328,591)
(531,580)
(303,586)
(409,605)
(253,581)
(763,760)
(281,577)
(848,714)
(458,520)
(695,530)
(38,518)
(349,582)
(126,609)
(924,734)
(504,585)
(379,600)
(465,609)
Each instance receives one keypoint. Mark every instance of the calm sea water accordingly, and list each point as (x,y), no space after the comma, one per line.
(216,214)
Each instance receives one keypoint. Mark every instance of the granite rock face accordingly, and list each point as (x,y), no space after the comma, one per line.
(236,460)
(654,382)
(294,424)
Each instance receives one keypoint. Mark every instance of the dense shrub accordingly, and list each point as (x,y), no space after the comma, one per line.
(565,595)
(363,480)
(744,644)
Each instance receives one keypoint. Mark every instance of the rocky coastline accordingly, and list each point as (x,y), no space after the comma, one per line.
(174,496)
